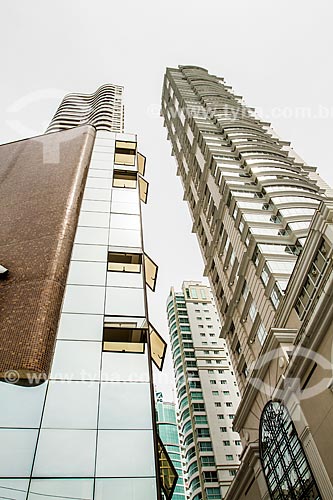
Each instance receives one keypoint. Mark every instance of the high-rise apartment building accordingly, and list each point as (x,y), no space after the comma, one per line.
(167,425)
(104,109)
(252,200)
(76,344)
(207,391)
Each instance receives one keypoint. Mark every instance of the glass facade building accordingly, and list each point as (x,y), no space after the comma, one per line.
(167,424)
(67,426)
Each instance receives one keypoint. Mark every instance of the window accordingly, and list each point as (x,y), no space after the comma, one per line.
(198,406)
(229,457)
(151,270)
(196,395)
(223,429)
(226,443)
(232,473)
(276,296)
(220,417)
(261,333)
(123,337)
(158,347)
(231,416)
(207,461)
(210,477)
(203,433)
(124,179)
(218,404)
(194,484)
(211,372)
(228,404)
(125,153)
(252,311)
(199,317)
(316,271)
(265,275)
(205,446)
(284,462)
(215,393)
(213,382)
(141,162)
(124,262)
(223,381)
(237,442)
(213,493)
(200,419)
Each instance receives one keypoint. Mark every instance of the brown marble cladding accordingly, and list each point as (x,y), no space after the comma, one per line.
(41,186)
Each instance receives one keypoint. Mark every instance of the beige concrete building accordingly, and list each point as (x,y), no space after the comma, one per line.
(264,223)
(207,391)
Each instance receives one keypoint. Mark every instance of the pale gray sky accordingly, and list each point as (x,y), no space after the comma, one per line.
(276,54)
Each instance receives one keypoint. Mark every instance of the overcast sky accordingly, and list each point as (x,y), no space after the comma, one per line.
(277,54)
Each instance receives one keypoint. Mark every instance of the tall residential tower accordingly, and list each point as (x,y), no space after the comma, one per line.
(207,391)
(252,200)
(76,345)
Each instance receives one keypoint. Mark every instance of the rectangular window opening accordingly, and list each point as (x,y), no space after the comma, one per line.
(125,153)
(123,337)
(124,179)
(124,262)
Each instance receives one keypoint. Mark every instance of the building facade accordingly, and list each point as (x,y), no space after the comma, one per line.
(77,346)
(104,109)
(252,201)
(167,425)
(206,389)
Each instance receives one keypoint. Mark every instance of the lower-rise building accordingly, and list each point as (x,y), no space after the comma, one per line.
(207,391)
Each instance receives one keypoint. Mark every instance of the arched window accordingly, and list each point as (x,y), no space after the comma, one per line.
(286,469)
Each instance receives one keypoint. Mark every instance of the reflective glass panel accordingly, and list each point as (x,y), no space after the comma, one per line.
(71,405)
(126,489)
(14,489)
(21,406)
(125,453)
(124,367)
(94,219)
(117,401)
(80,327)
(61,489)
(76,360)
(90,253)
(125,301)
(87,273)
(65,453)
(17,448)
(84,299)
